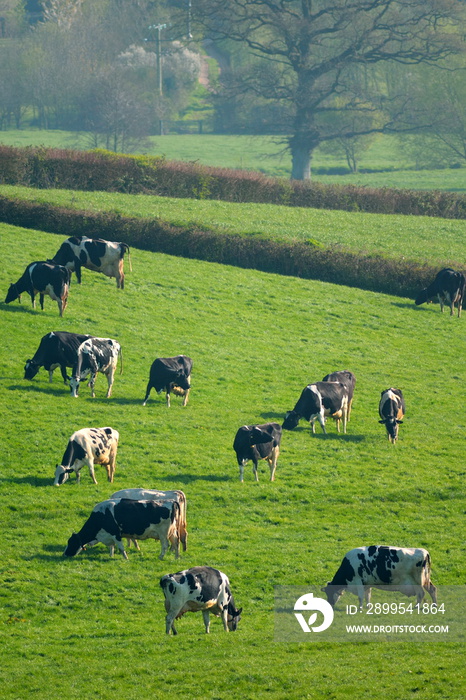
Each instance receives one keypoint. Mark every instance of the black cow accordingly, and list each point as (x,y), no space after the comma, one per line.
(255,442)
(118,518)
(95,254)
(42,278)
(56,349)
(95,355)
(404,569)
(449,287)
(171,374)
(317,401)
(199,588)
(348,380)
(392,410)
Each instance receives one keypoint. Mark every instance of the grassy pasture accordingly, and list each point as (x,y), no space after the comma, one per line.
(93,626)
(420,238)
(388,162)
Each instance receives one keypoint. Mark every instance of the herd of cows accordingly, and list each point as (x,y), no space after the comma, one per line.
(139,514)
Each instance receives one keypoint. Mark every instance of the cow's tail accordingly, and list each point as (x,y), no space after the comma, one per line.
(124,248)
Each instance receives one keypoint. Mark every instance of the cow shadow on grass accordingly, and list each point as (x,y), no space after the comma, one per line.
(39,389)
(31,480)
(19,308)
(326,437)
(189,478)
(273,416)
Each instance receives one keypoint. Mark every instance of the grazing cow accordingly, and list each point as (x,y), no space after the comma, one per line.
(392,411)
(56,349)
(401,569)
(171,374)
(42,278)
(200,588)
(161,496)
(348,380)
(115,519)
(317,401)
(449,287)
(95,355)
(88,446)
(255,442)
(96,254)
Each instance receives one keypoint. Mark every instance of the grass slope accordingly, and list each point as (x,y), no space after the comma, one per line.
(94,626)
(418,238)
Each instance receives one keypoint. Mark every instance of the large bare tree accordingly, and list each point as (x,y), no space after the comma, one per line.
(311,54)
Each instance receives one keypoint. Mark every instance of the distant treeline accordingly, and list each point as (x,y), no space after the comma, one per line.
(105,171)
(371,272)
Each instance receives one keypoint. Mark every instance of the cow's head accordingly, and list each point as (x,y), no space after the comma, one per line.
(233,617)
(12,294)
(74,546)
(391,425)
(74,386)
(333,593)
(30,369)
(291,420)
(181,381)
(61,475)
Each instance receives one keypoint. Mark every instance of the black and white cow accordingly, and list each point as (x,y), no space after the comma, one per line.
(162,497)
(115,519)
(348,380)
(255,442)
(95,355)
(42,278)
(379,566)
(56,349)
(199,588)
(88,446)
(317,401)
(172,374)
(96,254)
(449,287)
(391,410)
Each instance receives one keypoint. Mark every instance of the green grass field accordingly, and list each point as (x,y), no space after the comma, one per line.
(93,627)
(419,238)
(266,154)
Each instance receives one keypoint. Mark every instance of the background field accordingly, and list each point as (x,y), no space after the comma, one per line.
(420,238)
(388,163)
(94,626)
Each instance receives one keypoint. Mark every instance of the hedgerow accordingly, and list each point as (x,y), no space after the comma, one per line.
(103,170)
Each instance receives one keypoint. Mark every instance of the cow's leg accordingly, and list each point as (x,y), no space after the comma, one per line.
(63,374)
(110,376)
(206,616)
(185,398)
(321,419)
(91,384)
(241,469)
(33,299)
(41,300)
(90,464)
(165,545)
(440,301)
(360,593)
(170,622)
(111,466)
(175,544)
(420,593)
(432,590)
(273,462)
(254,470)
(368,593)
(167,395)
(224,616)
(121,547)
(148,390)
(120,275)
(50,375)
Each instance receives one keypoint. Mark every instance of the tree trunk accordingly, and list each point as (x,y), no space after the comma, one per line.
(300,163)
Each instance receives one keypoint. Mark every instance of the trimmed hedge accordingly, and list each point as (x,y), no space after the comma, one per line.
(371,272)
(102,170)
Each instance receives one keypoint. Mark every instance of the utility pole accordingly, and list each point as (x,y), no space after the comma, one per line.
(158,52)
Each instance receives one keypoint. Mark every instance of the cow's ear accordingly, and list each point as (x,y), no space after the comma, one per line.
(381,421)
(399,422)
(239,611)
